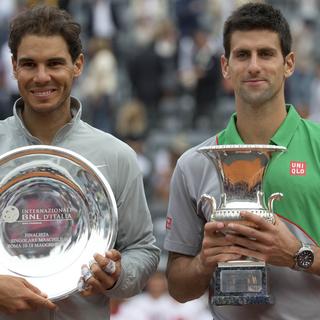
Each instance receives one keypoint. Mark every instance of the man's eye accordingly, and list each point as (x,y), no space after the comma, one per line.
(266,54)
(242,55)
(56,63)
(28,64)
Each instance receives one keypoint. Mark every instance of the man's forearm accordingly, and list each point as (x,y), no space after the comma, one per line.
(186,281)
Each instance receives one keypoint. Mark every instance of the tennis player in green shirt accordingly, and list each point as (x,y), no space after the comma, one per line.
(257,61)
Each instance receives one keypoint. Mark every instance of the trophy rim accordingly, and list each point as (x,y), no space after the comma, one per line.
(109,240)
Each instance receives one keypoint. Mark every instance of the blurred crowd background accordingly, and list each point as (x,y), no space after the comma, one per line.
(152,78)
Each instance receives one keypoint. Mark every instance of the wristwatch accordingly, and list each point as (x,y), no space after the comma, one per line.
(304,257)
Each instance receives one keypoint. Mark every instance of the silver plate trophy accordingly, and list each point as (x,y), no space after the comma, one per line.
(241,169)
(56,211)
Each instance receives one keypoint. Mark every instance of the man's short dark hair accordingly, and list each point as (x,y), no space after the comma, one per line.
(45,21)
(257,16)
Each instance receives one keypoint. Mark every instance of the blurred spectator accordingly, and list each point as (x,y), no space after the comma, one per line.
(31,3)
(145,86)
(9,84)
(4,99)
(200,75)
(149,45)
(206,65)
(299,89)
(314,109)
(119,310)
(64,4)
(165,47)
(131,127)
(165,161)
(99,85)
(144,18)
(188,15)
(157,57)
(131,120)
(8,8)
(303,40)
(155,303)
(102,22)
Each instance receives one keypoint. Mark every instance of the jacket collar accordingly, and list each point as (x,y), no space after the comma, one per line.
(76,110)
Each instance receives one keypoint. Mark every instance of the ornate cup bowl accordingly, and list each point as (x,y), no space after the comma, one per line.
(241,169)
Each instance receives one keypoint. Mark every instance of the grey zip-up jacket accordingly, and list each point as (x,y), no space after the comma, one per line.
(135,240)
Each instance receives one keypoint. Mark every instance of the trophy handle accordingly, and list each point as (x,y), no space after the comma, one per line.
(206,198)
(260,198)
(274,196)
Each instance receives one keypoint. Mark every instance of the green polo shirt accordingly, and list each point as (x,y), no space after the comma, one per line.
(295,173)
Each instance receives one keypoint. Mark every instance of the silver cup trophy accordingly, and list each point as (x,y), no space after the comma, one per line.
(56,210)
(241,169)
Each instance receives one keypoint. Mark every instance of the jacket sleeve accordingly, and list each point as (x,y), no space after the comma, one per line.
(135,239)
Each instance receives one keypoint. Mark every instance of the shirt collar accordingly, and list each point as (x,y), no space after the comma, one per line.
(282,136)
(230,134)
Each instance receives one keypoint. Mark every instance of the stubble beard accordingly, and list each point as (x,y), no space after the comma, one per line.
(257,98)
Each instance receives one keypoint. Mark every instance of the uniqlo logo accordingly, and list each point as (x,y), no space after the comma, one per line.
(298,168)
(168,223)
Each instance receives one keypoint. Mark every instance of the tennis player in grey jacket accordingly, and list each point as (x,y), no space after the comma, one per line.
(47,57)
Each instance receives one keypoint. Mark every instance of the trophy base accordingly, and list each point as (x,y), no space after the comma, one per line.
(237,300)
(240,283)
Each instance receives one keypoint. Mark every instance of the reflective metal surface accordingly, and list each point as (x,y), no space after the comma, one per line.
(241,169)
(56,211)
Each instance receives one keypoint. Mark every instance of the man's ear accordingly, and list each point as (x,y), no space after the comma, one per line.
(78,65)
(225,67)
(289,65)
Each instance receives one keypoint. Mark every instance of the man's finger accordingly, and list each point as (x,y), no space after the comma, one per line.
(37,300)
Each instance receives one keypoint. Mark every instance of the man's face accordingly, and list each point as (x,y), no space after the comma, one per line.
(256,66)
(45,72)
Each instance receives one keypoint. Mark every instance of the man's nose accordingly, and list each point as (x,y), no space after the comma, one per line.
(41,74)
(254,66)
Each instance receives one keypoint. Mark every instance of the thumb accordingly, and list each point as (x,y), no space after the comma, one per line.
(34,289)
(113,254)
(40,301)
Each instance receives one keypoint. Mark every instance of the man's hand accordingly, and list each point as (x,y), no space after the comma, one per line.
(17,294)
(215,248)
(274,244)
(105,271)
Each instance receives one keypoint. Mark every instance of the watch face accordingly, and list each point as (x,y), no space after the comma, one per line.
(305,259)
